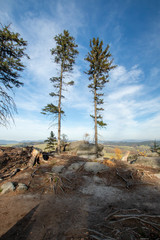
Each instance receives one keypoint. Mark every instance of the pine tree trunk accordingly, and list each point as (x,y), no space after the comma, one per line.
(95,119)
(59,112)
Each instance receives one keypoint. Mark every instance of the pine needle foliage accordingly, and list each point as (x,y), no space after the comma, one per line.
(12,51)
(64,55)
(51,110)
(51,142)
(100,64)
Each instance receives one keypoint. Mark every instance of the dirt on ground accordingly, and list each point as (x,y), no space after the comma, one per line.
(120,202)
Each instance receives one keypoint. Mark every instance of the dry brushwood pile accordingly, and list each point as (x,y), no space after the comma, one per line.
(13,159)
(72,198)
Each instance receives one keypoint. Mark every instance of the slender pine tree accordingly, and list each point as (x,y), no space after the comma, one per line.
(65,53)
(99,68)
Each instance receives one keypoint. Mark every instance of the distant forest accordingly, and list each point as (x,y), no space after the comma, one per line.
(132,143)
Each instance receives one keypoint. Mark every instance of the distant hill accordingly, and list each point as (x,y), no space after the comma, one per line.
(5,142)
(131,143)
(30,143)
(20,143)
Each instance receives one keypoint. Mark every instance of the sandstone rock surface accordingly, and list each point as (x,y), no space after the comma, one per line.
(22,187)
(7,187)
(75,166)
(57,169)
(95,167)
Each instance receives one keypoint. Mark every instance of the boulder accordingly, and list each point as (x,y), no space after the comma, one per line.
(97,179)
(22,187)
(88,156)
(74,146)
(7,187)
(57,169)
(84,148)
(100,159)
(90,147)
(75,166)
(88,150)
(95,167)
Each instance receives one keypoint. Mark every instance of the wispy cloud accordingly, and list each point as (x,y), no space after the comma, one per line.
(26,129)
(121,76)
(39,31)
(132,102)
(128,112)
(125,92)
(68,15)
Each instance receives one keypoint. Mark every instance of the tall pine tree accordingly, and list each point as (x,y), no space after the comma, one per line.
(65,53)
(12,51)
(99,67)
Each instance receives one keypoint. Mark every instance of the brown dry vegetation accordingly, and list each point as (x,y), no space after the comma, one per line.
(121,202)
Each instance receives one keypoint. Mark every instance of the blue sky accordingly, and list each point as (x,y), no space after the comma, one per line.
(132,99)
